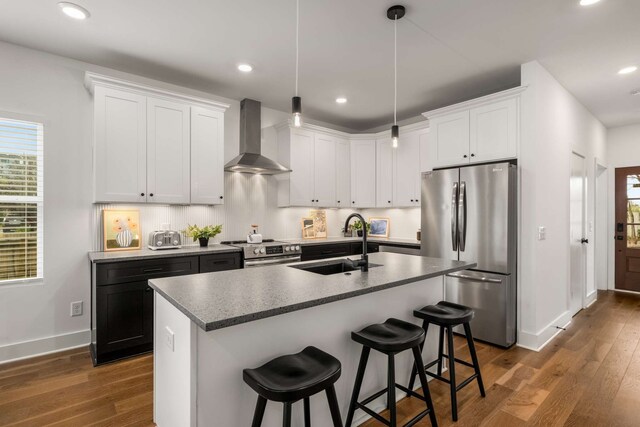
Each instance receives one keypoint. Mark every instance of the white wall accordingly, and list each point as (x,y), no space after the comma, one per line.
(623,150)
(35,318)
(554,124)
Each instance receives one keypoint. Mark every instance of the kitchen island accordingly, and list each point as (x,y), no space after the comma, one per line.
(208,327)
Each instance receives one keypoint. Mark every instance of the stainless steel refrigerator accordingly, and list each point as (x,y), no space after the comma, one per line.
(469,214)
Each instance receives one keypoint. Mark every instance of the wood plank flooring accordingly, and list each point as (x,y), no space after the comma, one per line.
(588,376)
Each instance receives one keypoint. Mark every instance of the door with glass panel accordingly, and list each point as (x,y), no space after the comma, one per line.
(627,228)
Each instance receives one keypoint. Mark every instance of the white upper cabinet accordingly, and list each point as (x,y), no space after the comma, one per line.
(168,152)
(325,170)
(493,131)
(406,176)
(207,156)
(481,130)
(343,174)
(311,156)
(155,146)
(384,173)
(120,152)
(363,173)
(450,135)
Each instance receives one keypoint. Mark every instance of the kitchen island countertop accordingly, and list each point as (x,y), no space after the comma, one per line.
(226,298)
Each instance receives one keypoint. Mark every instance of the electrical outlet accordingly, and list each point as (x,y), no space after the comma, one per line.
(169,338)
(542,233)
(76,308)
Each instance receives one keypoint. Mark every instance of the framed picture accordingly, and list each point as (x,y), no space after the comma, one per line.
(308,230)
(379,227)
(121,229)
(319,223)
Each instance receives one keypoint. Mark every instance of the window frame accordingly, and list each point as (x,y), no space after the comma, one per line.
(38,199)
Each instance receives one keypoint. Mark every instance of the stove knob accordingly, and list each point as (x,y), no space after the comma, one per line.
(297,248)
(256,251)
(287,248)
(262,250)
(175,243)
(159,243)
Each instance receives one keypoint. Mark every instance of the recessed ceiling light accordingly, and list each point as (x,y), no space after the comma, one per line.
(588,2)
(74,11)
(245,68)
(341,100)
(627,70)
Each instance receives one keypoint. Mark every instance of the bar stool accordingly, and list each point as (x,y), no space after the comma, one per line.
(391,337)
(293,377)
(447,315)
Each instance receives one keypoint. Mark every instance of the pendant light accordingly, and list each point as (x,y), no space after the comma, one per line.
(395,13)
(296,101)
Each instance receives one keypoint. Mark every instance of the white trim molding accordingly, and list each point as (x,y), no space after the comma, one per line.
(476,102)
(40,347)
(422,125)
(537,341)
(91,80)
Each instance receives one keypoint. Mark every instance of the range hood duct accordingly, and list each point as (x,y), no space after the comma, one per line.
(250,160)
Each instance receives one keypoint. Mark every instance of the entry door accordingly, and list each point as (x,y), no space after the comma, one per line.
(578,239)
(627,228)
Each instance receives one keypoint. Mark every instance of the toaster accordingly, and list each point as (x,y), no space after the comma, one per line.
(164,240)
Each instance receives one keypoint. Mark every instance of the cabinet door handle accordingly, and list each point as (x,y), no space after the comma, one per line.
(338,201)
(151,194)
(221,197)
(388,201)
(412,200)
(142,194)
(473,155)
(148,289)
(152,270)
(353,201)
(465,156)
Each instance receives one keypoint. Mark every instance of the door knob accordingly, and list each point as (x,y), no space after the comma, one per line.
(584,241)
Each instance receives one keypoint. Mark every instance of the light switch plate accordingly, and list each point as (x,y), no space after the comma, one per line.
(542,233)
(169,338)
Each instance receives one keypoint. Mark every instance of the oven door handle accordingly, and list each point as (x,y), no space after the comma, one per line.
(272,261)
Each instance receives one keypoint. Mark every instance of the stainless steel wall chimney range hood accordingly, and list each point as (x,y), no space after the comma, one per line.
(250,160)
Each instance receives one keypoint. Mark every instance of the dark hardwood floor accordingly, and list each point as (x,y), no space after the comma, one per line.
(587,376)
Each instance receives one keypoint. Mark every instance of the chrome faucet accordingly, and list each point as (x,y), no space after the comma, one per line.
(363,262)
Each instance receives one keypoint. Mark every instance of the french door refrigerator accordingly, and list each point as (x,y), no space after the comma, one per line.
(469,214)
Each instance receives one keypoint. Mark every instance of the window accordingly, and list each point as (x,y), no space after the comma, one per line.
(21,185)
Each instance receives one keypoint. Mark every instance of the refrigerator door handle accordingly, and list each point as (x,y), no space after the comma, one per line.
(454,217)
(474,279)
(462,216)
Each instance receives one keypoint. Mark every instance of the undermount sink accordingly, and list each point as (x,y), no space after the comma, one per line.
(327,268)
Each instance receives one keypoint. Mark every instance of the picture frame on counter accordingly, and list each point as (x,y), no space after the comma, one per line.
(121,230)
(379,227)
(308,229)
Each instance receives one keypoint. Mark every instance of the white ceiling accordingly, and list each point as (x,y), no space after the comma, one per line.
(449,50)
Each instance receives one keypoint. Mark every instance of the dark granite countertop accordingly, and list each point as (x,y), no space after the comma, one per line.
(380,240)
(213,248)
(227,298)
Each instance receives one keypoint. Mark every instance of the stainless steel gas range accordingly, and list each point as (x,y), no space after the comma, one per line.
(269,252)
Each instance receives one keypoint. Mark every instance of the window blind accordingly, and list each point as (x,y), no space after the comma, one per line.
(21,200)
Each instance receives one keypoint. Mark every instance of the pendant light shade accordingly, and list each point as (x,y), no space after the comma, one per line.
(394,13)
(296,101)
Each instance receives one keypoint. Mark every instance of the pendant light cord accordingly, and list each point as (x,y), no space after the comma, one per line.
(395,69)
(297,33)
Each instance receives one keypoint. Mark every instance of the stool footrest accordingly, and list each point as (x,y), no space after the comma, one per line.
(467,381)
(374,396)
(462,362)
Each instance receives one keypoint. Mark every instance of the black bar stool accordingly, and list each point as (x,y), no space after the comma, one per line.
(447,315)
(293,377)
(391,337)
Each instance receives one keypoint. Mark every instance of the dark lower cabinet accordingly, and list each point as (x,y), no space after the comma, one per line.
(333,250)
(122,301)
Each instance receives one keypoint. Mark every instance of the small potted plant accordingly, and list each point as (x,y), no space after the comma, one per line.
(357,225)
(203,234)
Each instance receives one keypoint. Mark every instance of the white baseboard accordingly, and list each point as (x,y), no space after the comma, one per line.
(591,298)
(537,341)
(39,347)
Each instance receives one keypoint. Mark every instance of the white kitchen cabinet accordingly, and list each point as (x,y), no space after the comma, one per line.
(120,151)
(406,171)
(311,156)
(450,136)
(168,152)
(384,173)
(343,173)
(493,131)
(155,146)
(477,131)
(325,171)
(363,173)
(207,156)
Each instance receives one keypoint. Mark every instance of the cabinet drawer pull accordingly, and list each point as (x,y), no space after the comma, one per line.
(148,289)
(152,270)
(142,194)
